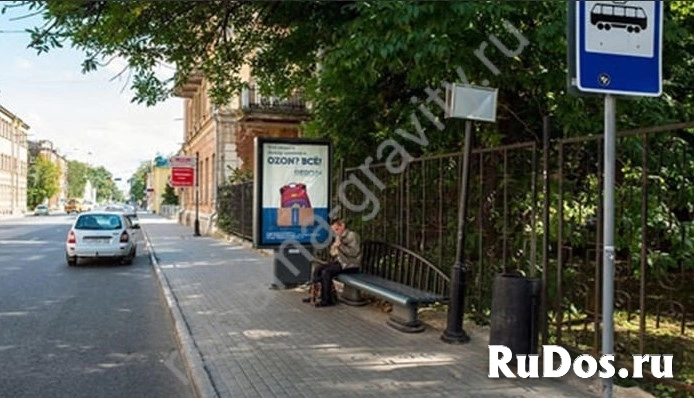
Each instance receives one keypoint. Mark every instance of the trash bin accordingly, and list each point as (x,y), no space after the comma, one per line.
(291,266)
(514,318)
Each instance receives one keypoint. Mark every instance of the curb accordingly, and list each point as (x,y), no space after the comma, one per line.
(192,359)
(13,217)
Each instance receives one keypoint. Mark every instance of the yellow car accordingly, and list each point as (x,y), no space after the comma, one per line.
(73,206)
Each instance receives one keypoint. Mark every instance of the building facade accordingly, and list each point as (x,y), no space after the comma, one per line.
(46,149)
(14,158)
(222,138)
(157,180)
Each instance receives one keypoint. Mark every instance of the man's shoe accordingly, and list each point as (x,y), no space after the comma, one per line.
(324,304)
(306,299)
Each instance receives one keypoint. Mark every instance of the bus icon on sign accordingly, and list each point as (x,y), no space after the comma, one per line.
(608,16)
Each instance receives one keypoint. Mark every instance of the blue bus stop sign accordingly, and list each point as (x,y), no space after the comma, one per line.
(619,47)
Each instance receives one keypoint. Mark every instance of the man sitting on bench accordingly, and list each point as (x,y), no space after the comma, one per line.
(345,256)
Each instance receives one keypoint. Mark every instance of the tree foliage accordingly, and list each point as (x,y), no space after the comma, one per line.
(138,181)
(106,188)
(76,178)
(374,56)
(42,181)
(78,173)
(169,196)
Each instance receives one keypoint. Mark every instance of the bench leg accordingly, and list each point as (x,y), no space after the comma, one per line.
(352,296)
(404,318)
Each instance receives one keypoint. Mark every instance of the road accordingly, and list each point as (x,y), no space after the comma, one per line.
(95,330)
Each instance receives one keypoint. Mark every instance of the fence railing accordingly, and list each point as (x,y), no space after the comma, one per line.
(235,209)
(169,211)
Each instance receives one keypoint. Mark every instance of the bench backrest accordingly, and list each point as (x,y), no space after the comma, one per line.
(402,265)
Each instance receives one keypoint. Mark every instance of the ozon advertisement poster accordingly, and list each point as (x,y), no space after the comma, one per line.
(292,190)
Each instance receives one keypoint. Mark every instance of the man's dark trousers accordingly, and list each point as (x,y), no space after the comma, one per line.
(325,274)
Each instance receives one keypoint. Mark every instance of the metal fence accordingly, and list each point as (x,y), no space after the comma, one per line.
(417,209)
(235,209)
(654,235)
(169,211)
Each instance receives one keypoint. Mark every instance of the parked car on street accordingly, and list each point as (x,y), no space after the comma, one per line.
(87,205)
(41,210)
(101,235)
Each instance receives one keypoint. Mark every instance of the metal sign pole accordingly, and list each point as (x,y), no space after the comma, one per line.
(608,237)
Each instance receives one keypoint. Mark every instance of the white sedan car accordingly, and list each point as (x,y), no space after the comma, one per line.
(101,235)
(41,210)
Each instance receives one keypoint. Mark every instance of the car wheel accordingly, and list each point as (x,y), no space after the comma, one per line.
(71,261)
(128,260)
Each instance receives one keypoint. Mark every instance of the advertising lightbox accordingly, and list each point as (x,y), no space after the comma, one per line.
(292,191)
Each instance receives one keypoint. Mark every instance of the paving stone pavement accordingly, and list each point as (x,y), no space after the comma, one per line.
(258,342)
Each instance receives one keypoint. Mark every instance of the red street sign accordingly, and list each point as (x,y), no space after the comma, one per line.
(182,177)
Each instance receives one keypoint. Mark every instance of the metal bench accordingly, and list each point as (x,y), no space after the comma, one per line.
(398,276)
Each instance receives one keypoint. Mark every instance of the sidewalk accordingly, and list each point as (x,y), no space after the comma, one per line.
(15,216)
(241,339)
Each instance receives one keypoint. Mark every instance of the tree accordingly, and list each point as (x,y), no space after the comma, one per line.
(78,173)
(42,181)
(102,180)
(138,181)
(76,178)
(169,196)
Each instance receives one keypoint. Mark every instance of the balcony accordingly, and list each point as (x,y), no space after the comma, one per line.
(253,101)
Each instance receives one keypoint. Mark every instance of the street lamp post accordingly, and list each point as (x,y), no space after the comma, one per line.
(197,195)
(468,103)
(454,332)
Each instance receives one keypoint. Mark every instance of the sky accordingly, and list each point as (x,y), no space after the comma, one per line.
(88,117)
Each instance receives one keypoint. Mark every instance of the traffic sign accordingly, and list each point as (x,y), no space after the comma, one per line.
(618,47)
(182,177)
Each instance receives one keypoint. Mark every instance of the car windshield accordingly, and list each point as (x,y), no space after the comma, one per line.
(98,221)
